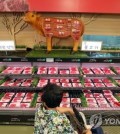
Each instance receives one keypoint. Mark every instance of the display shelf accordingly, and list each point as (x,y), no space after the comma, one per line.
(38,75)
(101,75)
(26,115)
(18,89)
(76,60)
(56,75)
(31,111)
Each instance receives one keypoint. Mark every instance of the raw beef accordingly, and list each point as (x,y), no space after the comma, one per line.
(76,84)
(75,100)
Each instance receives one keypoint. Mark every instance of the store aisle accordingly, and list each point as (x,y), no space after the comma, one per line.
(5,129)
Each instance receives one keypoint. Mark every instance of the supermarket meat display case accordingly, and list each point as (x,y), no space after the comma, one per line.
(92,85)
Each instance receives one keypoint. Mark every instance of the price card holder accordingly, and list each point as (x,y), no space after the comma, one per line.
(49,59)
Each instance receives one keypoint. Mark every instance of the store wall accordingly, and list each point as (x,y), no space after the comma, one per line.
(95,24)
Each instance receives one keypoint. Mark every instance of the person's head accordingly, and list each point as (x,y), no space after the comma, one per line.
(52,95)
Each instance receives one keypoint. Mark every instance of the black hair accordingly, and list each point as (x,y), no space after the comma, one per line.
(52,95)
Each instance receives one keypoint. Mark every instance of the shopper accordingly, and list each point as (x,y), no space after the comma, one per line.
(49,117)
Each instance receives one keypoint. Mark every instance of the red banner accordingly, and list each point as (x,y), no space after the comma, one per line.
(84,6)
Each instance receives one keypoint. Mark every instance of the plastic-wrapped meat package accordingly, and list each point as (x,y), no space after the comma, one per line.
(88,95)
(107,71)
(74,70)
(96,80)
(29,80)
(26,84)
(8,94)
(107,92)
(101,100)
(65,100)
(106,80)
(6,84)
(86,91)
(52,70)
(2,104)
(43,80)
(20,80)
(75,80)
(104,105)
(97,71)
(88,84)
(99,85)
(20,94)
(14,105)
(64,80)
(17,99)
(98,95)
(92,105)
(27,72)
(16,72)
(66,85)
(112,99)
(90,100)
(15,84)
(42,70)
(54,80)
(41,84)
(24,105)
(76,84)
(64,71)
(87,80)
(29,95)
(75,100)
(86,70)
(109,85)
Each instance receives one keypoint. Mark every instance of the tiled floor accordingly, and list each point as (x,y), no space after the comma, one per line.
(5,129)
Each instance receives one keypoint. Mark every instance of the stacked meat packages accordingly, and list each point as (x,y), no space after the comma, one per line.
(92,83)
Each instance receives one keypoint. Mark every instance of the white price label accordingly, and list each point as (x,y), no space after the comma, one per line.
(7,45)
(91,45)
(49,59)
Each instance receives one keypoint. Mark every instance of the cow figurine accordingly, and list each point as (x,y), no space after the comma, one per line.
(56,27)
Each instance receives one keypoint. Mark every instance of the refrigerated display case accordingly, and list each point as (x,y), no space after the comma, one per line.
(92,85)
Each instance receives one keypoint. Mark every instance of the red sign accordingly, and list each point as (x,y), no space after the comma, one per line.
(84,6)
